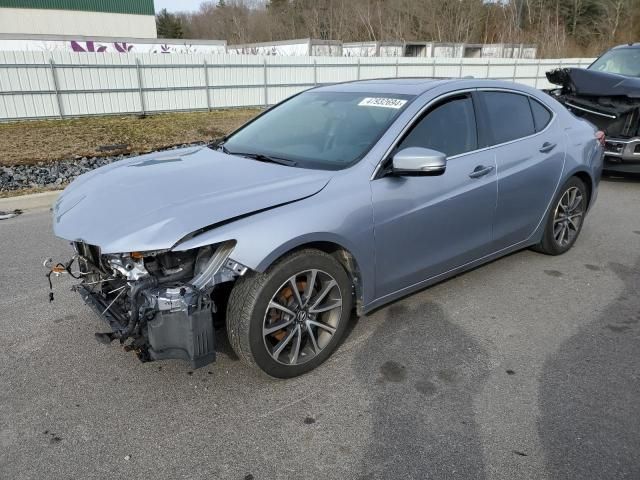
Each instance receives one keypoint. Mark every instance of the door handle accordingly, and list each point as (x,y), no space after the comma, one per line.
(547,147)
(480,171)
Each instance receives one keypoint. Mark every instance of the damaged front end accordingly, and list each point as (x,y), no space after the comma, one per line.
(612,103)
(159,304)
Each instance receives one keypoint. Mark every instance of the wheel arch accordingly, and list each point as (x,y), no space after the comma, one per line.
(587,179)
(332,246)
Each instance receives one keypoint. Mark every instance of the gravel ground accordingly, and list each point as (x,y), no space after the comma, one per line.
(527,367)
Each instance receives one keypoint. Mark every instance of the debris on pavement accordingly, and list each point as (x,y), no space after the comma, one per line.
(7,215)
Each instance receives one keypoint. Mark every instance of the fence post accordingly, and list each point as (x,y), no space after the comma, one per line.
(537,73)
(433,67)
(488,68)
(515,69)
(397,62)
(54,79)
(460,69)
(358,71)
(266,85)
(315,71)
(140,92)
(206,83)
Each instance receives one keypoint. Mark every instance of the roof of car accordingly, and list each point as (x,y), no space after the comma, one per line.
(411,86)
(627,45)
(417,85)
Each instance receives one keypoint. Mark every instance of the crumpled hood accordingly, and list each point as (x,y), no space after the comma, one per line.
(581,81)
(152,201)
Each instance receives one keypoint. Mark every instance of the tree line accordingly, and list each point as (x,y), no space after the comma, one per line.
(560,28)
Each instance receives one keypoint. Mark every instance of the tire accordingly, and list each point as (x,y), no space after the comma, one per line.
(562,229)
(308,329)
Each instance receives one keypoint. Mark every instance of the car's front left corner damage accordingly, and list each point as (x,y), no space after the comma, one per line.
(159,304)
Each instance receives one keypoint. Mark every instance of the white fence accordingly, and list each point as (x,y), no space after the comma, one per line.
(59,84)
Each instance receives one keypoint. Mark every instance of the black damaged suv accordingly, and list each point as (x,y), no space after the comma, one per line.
(607,94)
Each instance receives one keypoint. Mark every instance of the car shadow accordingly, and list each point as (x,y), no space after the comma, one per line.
(222,345)
(621,177)
(590,393)
(420,373)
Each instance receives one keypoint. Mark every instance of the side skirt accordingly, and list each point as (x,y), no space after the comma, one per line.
(448,274)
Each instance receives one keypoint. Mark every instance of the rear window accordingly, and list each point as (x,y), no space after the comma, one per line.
(541,115)
(510,116)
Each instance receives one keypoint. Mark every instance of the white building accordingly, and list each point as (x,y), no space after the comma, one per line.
(500,50)
(470,50)
(373,49)
(101,18)
(299,48)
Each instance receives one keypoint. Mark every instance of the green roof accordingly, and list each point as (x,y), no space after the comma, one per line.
(137,7)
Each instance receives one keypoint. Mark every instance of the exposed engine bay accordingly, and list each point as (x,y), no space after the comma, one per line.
(609,101)
(158,304)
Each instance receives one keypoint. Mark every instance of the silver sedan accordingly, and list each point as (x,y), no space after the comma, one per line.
(337,200)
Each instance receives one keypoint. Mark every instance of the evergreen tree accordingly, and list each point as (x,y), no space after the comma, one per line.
(168,25)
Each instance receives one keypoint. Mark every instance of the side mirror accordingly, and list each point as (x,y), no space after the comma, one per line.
(417,161)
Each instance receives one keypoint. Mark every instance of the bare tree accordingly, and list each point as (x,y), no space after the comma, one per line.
(558,27)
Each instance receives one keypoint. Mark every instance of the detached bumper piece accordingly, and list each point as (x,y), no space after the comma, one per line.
(188,336)
(181,329)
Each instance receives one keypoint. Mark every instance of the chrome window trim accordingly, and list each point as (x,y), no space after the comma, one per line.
(525,94)
(413,121)
(444,96)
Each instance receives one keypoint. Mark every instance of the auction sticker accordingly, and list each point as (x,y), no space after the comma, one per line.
(382,102)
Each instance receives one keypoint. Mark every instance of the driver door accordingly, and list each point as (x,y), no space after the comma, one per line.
(428,225)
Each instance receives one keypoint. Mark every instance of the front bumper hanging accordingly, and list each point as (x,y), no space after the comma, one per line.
(156,316)
(183,334)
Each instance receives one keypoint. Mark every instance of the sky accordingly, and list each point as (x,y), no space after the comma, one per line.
(177,5)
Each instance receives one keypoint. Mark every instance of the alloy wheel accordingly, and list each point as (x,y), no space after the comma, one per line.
(302,317)
(568,216)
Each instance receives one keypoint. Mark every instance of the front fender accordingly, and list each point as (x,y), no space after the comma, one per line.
(307,239)
(340,214)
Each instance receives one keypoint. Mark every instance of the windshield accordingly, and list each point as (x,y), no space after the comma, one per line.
(623,61)
(325,130)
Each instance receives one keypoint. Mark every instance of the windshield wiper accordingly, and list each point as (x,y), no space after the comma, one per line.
(264,158)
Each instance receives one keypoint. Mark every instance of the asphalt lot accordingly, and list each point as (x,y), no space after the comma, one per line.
(524,368)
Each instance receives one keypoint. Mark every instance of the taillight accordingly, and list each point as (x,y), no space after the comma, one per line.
(600,136)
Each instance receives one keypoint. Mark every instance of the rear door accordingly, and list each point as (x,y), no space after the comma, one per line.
(530,150)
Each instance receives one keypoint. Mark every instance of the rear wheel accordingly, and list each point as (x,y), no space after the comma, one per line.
(565,220)
(288,320)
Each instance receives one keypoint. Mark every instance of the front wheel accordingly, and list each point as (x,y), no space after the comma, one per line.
(288,320)
(566,218)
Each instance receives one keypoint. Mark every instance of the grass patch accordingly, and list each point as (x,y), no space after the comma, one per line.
(35,141)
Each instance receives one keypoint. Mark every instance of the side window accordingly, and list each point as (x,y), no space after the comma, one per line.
(509,115)
(541,114)
(449,127)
